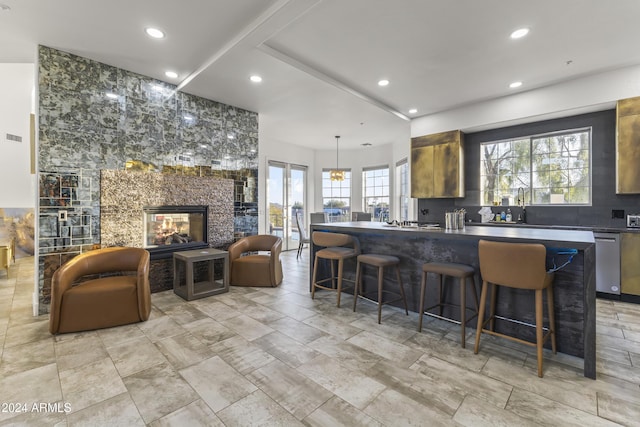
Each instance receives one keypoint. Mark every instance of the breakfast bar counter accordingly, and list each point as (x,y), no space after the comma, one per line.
(574,284)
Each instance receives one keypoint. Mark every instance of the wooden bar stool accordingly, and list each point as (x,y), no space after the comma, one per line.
(459,271)
(337,247)
(379,261)
(521,266)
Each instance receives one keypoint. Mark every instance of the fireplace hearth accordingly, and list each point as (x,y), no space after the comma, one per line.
(174,228)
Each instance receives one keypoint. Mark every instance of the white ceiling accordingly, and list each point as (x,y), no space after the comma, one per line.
(321,59)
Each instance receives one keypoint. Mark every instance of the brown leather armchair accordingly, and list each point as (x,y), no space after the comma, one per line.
(256,269)
(100,302)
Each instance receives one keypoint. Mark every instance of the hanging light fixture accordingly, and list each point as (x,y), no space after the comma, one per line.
(337,174)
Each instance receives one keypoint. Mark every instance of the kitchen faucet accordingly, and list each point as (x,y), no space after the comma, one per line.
(523,216)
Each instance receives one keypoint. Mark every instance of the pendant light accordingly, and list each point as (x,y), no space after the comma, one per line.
(337,174)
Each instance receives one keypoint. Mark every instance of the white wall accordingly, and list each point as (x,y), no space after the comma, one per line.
(17,84)
(587,94)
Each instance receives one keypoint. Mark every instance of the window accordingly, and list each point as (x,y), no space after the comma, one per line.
(336,197)
(375,191)
(552,169)
(402,179)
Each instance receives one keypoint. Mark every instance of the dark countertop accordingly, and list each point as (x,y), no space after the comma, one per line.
(595,228)
(577,238)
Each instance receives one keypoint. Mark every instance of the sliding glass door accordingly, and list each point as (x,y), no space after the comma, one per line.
(285,198)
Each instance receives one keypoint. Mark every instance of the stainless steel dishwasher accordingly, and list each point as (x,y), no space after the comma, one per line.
(607,262)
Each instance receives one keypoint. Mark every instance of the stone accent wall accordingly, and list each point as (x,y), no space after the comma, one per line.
(124,194)
(95,117)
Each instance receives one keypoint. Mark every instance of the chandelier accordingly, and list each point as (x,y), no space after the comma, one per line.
(337,174)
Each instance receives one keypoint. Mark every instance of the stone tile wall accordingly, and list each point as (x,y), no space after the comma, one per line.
(94,117)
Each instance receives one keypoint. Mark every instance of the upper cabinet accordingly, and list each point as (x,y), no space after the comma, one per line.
(437,165)
(628,146)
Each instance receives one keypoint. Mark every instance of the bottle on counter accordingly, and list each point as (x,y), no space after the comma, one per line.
(503,216)
(509,216)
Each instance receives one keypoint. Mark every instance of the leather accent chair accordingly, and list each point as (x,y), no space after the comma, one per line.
(105,301)
(256,269)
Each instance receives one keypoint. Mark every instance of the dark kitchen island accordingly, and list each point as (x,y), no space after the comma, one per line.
(574,284)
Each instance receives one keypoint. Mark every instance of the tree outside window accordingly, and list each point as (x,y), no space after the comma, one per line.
(552,169)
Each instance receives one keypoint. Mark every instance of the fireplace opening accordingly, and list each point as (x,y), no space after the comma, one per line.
(174,228)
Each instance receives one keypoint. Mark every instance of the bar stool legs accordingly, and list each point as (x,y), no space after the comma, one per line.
(380,262)
(460,271)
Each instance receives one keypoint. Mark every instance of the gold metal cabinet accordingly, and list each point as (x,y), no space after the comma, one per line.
(437,165)
(629,265)
(5,258)
(628,146)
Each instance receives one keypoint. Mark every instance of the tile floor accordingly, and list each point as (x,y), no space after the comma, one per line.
(275,357)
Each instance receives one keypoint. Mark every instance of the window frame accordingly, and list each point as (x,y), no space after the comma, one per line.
(529,198)
(337,185)
(386,189)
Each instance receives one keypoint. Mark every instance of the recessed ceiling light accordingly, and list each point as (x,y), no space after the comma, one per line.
(253,150)
(383,82)
(519,33)
(154,32)
(171,74)
(413,111)
(515,85)
(255,79)
(204,145)
(111,95)
(188,118)
(227,157)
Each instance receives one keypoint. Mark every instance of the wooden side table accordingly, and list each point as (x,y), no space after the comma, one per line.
(187,288)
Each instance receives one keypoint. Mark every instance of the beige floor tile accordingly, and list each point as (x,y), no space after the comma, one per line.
(357,358)
(297,330)
(196,414)
(619,370)
(394,409)
(119,335)
(560,389)
(631,335)
(450,351)
(611,331)
(184,350)
(165,300)
(242,355)
(158,391)
(624,410)
(332,326)
(264,314)
(209,331)
(90,384)
(613,355)
(545,411)
(475,412)
(338,413)
(259,410)
(463,381)
(215,309)
(399,354)
(185,313)
(32,386)
(350,385)
(390,328)
(27,356)
(217,383)
(286,349)
(247,327)
(23,333)
(293,311)
(161,328)
(79,349)
(289,388)
(117,411)
(135,355)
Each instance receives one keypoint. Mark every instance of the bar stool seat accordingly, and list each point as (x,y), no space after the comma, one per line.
(337,247)
(520,266)
(459,271)
(380,262)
